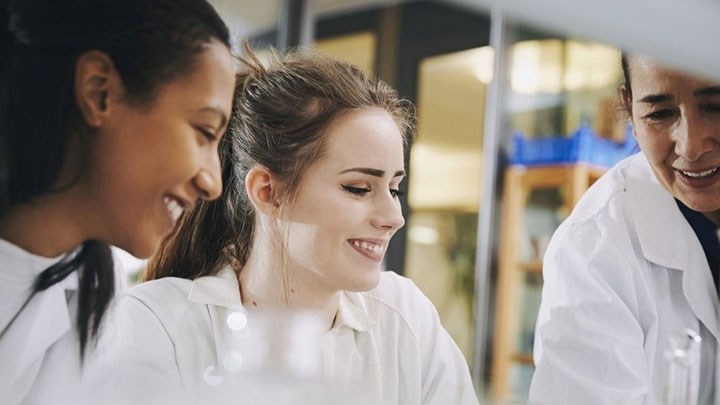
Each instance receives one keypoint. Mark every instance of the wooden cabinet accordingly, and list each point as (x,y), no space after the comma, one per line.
(519,182)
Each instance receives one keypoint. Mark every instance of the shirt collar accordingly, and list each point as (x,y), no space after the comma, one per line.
(223,289)
(353,313)
(42,322)
(22,267)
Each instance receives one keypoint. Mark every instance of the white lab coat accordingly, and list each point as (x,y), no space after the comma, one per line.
(39,353)
(622,274)
(387,344)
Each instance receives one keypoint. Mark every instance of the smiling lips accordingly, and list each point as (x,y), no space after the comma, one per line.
(698,179)
(373,250)
(696,175)
(174,206)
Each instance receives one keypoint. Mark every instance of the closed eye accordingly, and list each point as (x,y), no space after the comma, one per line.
(360,191)
(659,115)
(712,108)
(396,193)
(207,134)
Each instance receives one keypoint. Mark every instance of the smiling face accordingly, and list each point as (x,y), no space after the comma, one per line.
(149,163)
(676,119)
(347,208)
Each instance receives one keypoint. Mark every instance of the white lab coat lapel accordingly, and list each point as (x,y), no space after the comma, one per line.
(667,239)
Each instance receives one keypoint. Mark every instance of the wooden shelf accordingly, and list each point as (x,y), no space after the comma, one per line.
(519,182)
(523,358)
(531,267)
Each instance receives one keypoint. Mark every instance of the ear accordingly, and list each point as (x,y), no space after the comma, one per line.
(626,100)
(262,189)
(97,84)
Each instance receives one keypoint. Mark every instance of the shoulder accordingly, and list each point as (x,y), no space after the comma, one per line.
(598,249)
(607,191)
(397,292)
(605,209)
(164,300)
(162,292)
(397,300)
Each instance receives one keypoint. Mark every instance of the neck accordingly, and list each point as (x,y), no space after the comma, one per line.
(265,282)
(46,226)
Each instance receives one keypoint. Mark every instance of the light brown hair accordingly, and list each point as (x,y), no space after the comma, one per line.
(281,109)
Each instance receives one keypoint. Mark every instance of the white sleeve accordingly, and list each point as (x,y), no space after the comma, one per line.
(445,373)
(589,338)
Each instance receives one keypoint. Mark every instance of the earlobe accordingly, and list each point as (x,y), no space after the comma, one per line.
(96,85)
(261,188)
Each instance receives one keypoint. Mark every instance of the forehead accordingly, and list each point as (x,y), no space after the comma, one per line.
(211,82)
(366,136)
(647,76)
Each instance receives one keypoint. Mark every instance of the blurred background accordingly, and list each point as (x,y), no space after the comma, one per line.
(517,115)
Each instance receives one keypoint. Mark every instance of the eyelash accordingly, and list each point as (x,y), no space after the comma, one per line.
(209,135)
(712,108)
(669,113)
(659,115)
(360,191)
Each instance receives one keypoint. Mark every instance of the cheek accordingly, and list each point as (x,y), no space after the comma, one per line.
(656,145)
(305,242)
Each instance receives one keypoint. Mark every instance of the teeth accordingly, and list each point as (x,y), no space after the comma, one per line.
(368,246)
(174,208)
(700,174)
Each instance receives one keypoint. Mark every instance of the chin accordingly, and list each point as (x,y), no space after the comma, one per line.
(142,249)
(366,283)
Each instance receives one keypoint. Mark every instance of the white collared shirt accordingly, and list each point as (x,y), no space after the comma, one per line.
(39,353)
(387,344)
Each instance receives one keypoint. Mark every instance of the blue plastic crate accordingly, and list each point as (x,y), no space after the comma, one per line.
(582,146)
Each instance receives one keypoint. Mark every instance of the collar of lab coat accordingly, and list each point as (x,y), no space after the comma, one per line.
(668,240)
(43,321)
(223,290)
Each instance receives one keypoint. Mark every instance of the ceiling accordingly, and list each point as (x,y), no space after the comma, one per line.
(681,33)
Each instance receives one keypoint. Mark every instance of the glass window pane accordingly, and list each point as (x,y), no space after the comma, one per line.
(357,48)
(445,184)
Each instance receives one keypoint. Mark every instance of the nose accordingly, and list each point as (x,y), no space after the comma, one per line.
(388,213)
(208,180)
(694,138)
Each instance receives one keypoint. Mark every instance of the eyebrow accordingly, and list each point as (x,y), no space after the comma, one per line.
(372,172)
(656,98)
(218,111)
(662,98)
(707,91)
